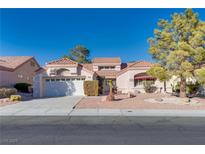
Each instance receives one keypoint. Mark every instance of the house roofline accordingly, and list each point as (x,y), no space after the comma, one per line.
(18,66)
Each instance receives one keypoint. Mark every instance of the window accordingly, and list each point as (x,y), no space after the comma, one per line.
(57,79)
(106,67)
(47,80)
(67,79)
(52,80)
(140,82)
(62,79)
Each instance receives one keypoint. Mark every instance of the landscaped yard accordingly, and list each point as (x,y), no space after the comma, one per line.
(6,101)
(140,102)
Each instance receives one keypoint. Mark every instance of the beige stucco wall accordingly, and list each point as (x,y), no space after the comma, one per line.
(39,81)
(88,75)
(24,73)
(97,65)
(122,82)
(125,81)
(72,69)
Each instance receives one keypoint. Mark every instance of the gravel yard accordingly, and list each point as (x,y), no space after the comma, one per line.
(138,102)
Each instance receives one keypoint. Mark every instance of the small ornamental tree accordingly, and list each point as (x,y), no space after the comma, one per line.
(160,73)
(110,97)
(178,46)
(149,86)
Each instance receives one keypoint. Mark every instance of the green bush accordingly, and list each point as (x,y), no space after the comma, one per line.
(7,92)
(91,88)
(192,88)
(15,97)
(176,88)
(149,86)
(22,87)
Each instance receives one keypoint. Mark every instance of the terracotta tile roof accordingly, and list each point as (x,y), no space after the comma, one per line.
(130,63)
(65,61)
(107,60)
(10,63)
(141,64)
(107,73)
(134,65)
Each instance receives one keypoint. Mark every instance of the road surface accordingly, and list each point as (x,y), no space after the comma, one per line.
(101,130)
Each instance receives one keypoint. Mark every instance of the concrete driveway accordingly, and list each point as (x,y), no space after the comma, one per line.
(46,106)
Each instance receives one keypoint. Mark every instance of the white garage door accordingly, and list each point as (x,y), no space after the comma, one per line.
(64,87)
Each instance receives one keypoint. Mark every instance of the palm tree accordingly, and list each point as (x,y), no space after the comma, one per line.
(111,95)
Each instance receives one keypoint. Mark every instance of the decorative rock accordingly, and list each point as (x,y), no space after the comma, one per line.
(159,99)
(173,100)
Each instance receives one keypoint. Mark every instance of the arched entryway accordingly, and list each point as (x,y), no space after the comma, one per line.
(63,72)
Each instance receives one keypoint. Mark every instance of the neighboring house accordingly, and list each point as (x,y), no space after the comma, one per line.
(17,69)
(65,77)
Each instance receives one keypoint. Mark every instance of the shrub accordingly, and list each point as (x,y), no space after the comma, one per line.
(149,86)
(192,88)
(22,87)
(7,92)
(176,88)
(91,88)
(15,97)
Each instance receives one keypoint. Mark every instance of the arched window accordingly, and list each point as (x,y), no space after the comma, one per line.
(63,72)
(141,77)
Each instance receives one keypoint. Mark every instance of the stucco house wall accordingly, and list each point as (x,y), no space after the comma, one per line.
(125,81)
(24,73)
(39,88)
(122,82)
(72,69)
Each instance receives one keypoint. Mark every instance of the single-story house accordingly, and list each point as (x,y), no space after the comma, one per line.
(65,77)
(16,69)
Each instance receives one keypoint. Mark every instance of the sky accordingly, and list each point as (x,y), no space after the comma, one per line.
(49,34)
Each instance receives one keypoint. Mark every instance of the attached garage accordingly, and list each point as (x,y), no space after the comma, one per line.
(61,86)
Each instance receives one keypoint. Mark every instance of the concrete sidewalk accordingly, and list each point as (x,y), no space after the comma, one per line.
(138,113)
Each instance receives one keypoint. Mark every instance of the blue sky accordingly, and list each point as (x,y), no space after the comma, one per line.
(48,34)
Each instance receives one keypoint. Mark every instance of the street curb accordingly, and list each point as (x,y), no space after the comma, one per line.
(139,113)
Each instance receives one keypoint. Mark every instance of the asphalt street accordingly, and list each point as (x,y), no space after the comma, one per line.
(83,130)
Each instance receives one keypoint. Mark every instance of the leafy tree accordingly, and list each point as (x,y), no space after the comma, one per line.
(178,46)
(80,54)
(200,75)
(160,73)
